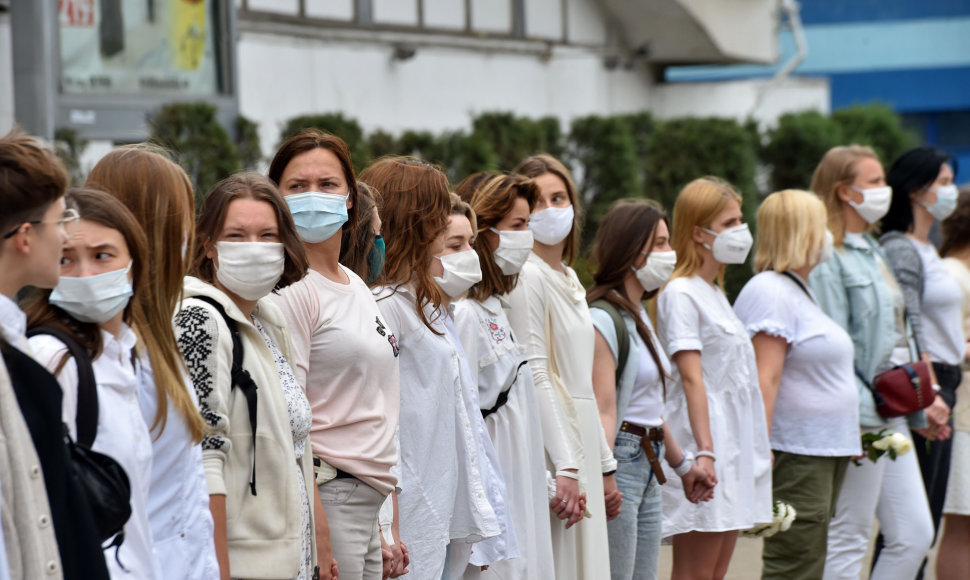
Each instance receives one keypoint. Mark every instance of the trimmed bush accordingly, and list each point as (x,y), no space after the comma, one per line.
(70,146)
(513,138)
(682,150)
(247,143)
(795,147)
(605,154)
(202,146)
(876,126)
(335,123)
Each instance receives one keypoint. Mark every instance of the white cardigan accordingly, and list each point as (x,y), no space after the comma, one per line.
(263,530)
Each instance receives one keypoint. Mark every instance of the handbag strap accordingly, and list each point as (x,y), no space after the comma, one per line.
(86,418)
(800,284)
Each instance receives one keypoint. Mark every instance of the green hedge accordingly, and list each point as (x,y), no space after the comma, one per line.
(612,157)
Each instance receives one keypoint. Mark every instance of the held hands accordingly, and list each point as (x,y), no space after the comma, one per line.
(567,504)
(396,559)
(612,496)
(698,484)
(937,415)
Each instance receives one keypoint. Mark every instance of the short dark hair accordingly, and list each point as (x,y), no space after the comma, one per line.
(31,179)
(212,218)
(311,139)
(912,171)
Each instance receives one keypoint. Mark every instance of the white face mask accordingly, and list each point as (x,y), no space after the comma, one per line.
(249,270)
(95,299)
(732,245)
(828,247)
(462,270)
(513,250)
(946,202)
(875,203)
(551,225)
(656,270)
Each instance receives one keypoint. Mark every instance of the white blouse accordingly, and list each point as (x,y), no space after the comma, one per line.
(443,494)
(178,501)
(941,314)
(817,406)
(122,434)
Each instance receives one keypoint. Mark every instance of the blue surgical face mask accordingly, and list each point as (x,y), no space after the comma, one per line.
(318,216)
(375,259)
(95,299)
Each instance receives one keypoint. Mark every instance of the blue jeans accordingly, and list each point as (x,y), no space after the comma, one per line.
(635,534)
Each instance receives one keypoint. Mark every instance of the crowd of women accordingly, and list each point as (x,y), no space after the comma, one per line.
(317,374)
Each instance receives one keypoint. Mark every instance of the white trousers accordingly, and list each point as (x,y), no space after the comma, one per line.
(893,492)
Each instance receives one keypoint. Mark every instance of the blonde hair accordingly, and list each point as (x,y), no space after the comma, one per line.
(697,205)
(839,166)
(159,194)
(791,230)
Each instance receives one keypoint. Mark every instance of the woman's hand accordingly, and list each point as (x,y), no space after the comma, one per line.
(566,503)
(698,485)
(707,464)
(612,496)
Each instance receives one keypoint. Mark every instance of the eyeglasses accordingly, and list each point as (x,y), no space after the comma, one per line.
(67,223)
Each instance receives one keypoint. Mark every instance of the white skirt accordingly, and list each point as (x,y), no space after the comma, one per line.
(583,551)
(958,487)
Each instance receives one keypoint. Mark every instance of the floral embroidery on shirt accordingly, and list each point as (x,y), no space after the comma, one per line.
(497,333)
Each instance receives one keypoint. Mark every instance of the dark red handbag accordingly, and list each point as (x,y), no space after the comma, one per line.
(903,389)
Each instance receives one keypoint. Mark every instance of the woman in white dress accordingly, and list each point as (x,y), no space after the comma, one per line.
(104,263)
(442,496)
(952,557)
(714,406)
(498,366)
(550,317)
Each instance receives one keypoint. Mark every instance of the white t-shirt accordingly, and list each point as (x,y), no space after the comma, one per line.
(646,405)
(941,314)
(817,407)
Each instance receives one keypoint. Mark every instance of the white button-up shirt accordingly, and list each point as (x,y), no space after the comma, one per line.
(442,489)
(122,434)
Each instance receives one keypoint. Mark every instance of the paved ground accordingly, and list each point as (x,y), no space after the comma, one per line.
(746,563)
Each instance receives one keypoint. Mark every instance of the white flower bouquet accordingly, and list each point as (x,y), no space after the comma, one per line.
(782,516)
(875,445)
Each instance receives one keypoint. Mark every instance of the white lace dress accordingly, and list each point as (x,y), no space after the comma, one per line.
(300,419)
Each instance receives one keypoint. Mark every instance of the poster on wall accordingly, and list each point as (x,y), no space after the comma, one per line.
(138,47)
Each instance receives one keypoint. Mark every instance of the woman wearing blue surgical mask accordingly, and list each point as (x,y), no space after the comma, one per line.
(714,406)
(630,374)
(923,194)
(344,352)
(857,290)
(498,366)
(550,317)
(104,262)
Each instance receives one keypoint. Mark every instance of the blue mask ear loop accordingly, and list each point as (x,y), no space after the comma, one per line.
(375,259)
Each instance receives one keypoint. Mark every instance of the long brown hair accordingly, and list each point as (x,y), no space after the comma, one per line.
(491,202)
(212,218)
(103,209)
(540,165)
(159,194)
(356,243)
(414,204)
(956,227)
(311,139)
(839,166)
(624,231)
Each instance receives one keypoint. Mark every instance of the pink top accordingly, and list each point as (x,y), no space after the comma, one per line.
(345,357)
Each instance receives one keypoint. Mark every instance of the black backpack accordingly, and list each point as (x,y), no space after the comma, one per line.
(103,480)
(241,378)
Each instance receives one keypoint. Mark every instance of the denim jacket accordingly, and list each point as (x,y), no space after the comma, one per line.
(851,289)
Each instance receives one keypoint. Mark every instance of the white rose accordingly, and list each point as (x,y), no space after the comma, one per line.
(790,515)
(882,444)
(900,443)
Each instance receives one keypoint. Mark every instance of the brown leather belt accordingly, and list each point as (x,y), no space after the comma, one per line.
(646,436)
